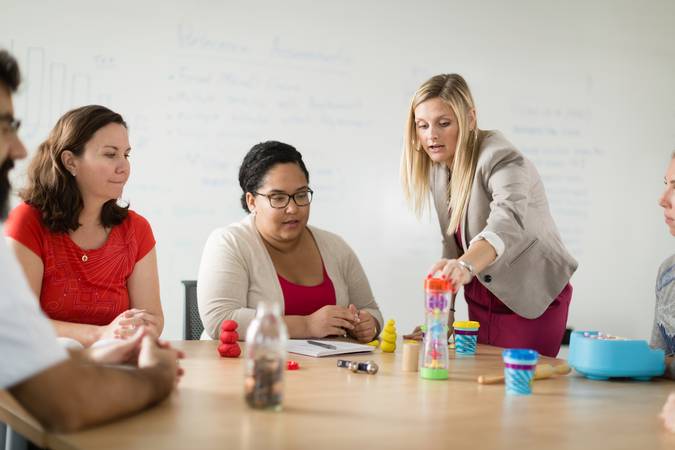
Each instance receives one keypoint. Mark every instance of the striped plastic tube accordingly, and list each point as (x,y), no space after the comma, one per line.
(466,337)
(519,366)
(465,342)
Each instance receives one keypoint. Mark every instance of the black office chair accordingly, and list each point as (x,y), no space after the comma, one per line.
(193,323)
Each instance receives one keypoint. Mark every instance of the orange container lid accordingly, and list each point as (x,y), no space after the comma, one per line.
(438,284)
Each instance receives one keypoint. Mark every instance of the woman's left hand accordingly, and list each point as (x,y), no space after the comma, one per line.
(451,269)
(366,328)
(140,318)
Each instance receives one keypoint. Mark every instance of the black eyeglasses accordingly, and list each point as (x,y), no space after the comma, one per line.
(280,200)
(14,124)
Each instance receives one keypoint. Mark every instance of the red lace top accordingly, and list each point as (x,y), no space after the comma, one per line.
(83,286)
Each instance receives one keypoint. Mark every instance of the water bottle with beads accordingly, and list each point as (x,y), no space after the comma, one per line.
(434,359)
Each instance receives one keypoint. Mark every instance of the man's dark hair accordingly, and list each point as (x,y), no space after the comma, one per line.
(10,76)
(5,187)
(260,159)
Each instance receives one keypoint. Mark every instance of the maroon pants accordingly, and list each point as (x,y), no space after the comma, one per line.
(502,327)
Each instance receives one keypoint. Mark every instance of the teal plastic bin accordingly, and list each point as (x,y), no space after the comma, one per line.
(601,359)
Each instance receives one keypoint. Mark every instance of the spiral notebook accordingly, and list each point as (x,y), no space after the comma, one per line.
(311,347)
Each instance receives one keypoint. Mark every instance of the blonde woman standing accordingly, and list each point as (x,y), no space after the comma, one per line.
(499,240)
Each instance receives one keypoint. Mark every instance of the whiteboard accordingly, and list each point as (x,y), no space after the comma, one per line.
(585,89)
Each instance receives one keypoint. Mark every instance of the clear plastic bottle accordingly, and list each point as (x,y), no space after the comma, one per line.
(266,341)
(434,359)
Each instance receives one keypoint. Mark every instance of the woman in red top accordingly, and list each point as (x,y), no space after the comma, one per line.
(91,261)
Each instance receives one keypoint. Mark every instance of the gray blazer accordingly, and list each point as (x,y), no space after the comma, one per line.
(508,199)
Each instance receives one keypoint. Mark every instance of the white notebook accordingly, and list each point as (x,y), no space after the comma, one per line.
(303,347)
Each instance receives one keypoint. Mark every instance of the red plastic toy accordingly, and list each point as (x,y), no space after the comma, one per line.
(228,325)
(229,337)
(229,348)
(292,365)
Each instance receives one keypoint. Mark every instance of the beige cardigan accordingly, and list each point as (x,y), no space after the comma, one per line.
(508,202)
(236,273)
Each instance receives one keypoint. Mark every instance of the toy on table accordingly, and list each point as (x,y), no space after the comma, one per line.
(411,356)
(542,371)
(369,367)
(229,347)
(434,362)
(292,365)
(600,356)
(519,368)
(388,337)
(466,337)
(374,343)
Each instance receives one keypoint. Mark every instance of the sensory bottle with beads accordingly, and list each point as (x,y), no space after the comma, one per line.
(434,359)
(266,341)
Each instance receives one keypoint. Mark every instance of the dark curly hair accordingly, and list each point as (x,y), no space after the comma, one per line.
(51,188)
(10,75)
(260,159)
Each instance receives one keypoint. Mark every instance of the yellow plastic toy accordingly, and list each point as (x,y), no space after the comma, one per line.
(375,343)
(388,337)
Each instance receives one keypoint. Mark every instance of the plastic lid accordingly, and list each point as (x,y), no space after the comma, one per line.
(523,354)
(438,284)
(466,324)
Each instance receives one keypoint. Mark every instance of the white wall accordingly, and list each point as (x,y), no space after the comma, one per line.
(584,88)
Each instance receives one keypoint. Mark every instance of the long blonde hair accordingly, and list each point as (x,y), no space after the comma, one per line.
(416,164)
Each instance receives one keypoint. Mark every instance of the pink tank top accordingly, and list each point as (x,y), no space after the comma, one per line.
(304,300)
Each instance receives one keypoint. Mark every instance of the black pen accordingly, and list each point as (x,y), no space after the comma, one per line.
(321,344)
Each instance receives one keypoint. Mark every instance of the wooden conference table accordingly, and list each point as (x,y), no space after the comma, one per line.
(327,407)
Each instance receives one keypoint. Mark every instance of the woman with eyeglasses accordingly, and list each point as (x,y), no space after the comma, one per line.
(272,254)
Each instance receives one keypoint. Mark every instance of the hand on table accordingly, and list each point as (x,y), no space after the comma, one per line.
(125,325)
(365,328)
(668,413)
(160,355)
(330,320)
(126,351)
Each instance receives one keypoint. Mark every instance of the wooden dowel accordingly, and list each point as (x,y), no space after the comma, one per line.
(541,372)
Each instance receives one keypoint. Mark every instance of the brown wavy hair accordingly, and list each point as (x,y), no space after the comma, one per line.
(51,188)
